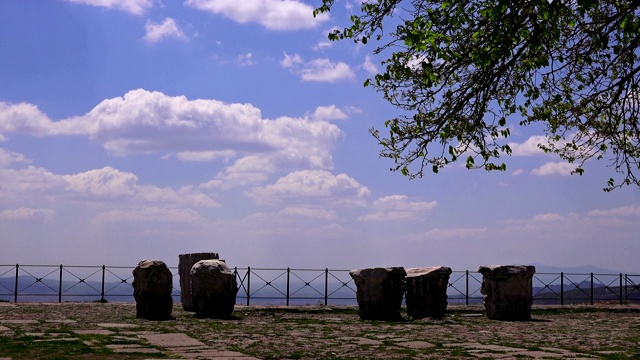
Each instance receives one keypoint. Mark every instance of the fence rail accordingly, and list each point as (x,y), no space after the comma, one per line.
(292,286)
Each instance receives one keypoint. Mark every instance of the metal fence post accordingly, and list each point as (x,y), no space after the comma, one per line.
(15,292)
(288,272)
(326,286)
(591,288)
(466,296)
(561,288)
(248,284)
(60,286)
(102,291)
(620,289)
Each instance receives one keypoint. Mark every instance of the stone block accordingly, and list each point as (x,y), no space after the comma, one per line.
(507,291)
(185,263)
(152,287)
(379,292)
(426,291)
(213,288)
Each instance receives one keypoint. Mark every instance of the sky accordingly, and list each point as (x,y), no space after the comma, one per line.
(145,129)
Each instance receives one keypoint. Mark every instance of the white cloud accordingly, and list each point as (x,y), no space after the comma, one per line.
(136,7)
(159,31)
(369,66)
(554,168)
(203,155)
(328,113)
(152,122)
(517,172)
(245,60)
(27,214)
(104,185)
(8,157)
(272,14)
(304,212)
(397,207)
(323,70)
(291,61)
(315,186)
(320,70)
(529,147)
(619,212)
(105,182)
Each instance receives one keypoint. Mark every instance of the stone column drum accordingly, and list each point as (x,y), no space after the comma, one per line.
(214,288)
(379,292)
(507,291)
(185,263)
(152,287)
(426,291)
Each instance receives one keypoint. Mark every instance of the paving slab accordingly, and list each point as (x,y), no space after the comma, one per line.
(117,325)
(172,340)
(415,344)
(18,321)
(93,332)
(61,321)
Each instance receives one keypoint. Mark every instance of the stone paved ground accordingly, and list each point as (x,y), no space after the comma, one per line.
(609,332)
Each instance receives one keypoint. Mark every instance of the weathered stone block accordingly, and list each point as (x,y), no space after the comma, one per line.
(507,291)
(152,287)
(379,292)
(213,288)
(185,263)
(426,291)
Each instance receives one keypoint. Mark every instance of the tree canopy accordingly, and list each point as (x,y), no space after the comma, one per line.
(465,72)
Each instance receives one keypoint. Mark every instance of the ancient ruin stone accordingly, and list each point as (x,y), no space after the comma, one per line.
(213,288)
(426,291)
(186,262)
(507,291)
(152,287)
(379,292)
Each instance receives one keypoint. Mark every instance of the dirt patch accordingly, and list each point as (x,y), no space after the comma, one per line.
(604,331)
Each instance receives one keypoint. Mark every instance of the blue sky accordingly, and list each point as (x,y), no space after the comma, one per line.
(134,129)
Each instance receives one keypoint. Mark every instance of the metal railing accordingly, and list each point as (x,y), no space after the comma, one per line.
(289,286)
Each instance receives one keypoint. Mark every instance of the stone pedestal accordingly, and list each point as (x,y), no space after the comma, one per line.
(213,288)
(426,291)
(379,292)
(507,291)
(152,287)
(186,262)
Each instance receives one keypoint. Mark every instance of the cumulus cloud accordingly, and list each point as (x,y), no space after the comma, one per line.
(397,207)
(136,7)
(529,147)
(369,66)
(328,113)
(27,214)
(98,185)
(272,14)
(8,157)
(152,122)
(168,28)
(304,212)
(554,168)
(315,186)
(620,212)
(319,70)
